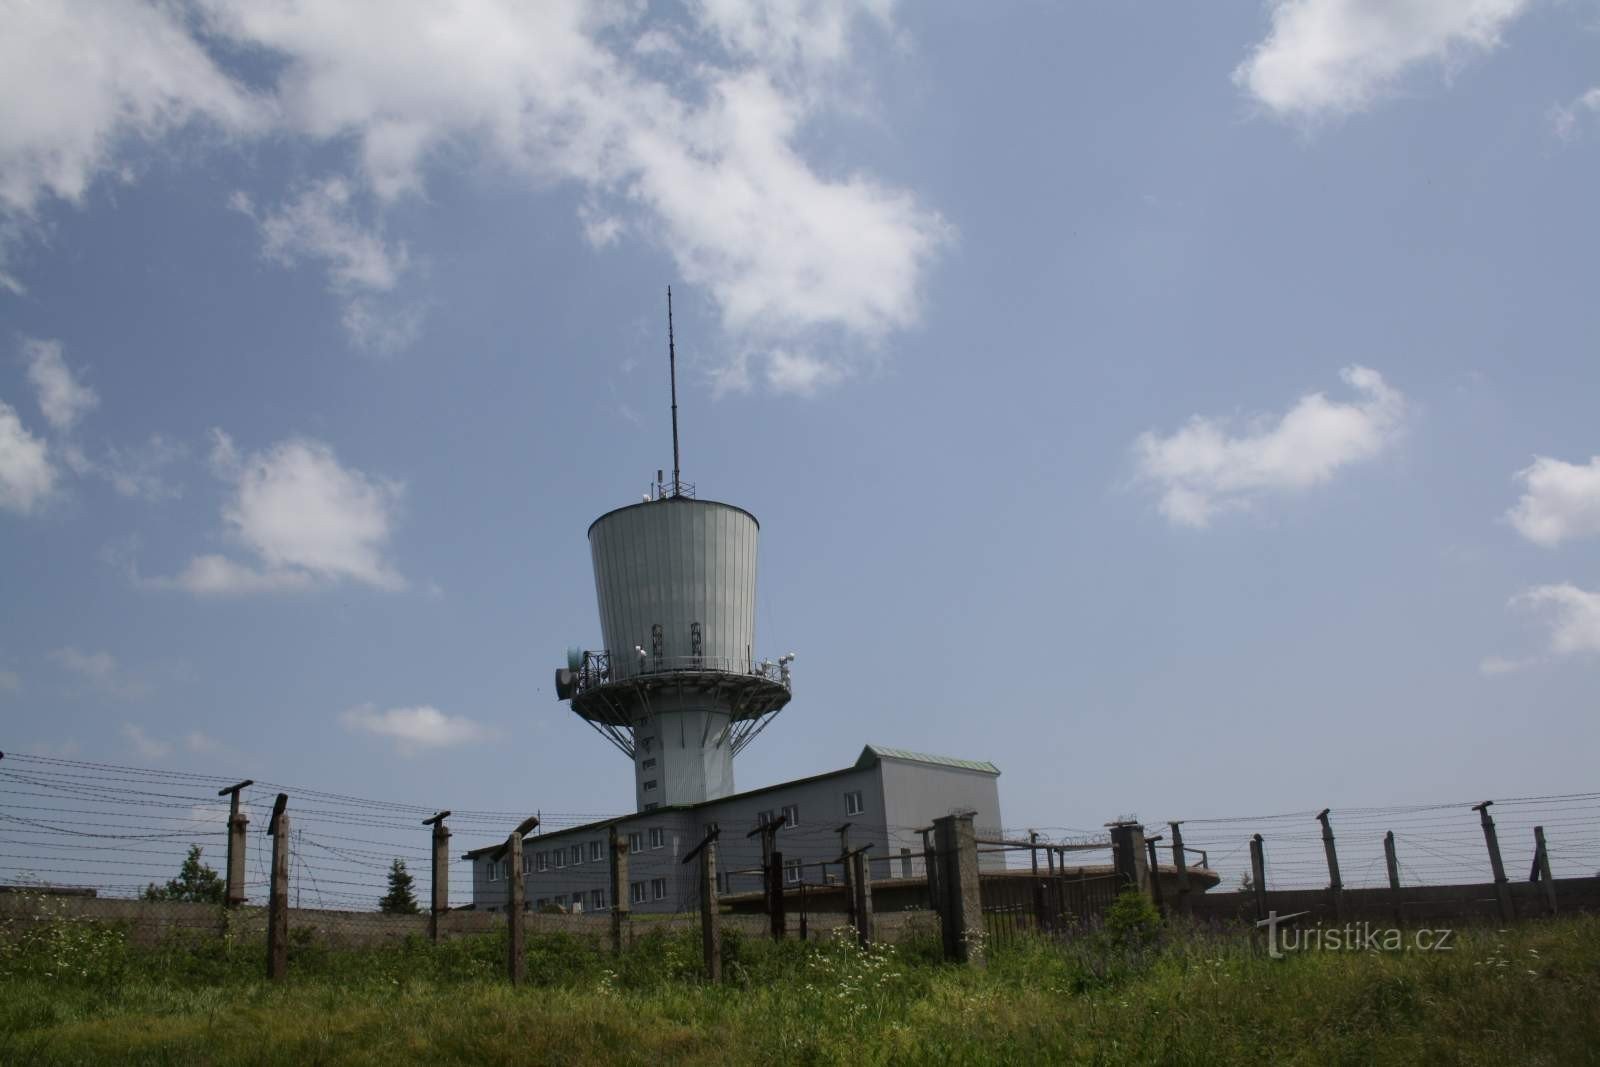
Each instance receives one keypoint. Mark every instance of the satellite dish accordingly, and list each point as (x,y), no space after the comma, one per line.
(566,683)
(574,658)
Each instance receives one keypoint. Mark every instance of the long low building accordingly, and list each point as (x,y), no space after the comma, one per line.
(884,800)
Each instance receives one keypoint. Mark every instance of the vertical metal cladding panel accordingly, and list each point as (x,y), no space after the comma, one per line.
(674,563)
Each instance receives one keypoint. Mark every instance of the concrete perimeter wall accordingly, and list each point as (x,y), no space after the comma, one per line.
(151,922)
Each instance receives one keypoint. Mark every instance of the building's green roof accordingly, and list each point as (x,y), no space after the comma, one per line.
(873,753)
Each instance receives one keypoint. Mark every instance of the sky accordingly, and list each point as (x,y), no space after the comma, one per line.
(1188,408)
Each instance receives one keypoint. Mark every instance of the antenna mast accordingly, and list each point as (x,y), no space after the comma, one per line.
(672,364)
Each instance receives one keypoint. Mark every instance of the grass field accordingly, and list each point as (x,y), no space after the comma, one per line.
(1530,995)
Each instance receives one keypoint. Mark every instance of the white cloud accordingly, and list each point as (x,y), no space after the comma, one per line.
(799,373)
(138,471)
(96,666)
(1336,57)
(213,575)
(306,518)
(62,398)
(1570,615)
(79,79)
(27,476)
(1562,501)
(319,224)
(144,746)
(1205,468)
(1565,118)
(702,157)
(414,729)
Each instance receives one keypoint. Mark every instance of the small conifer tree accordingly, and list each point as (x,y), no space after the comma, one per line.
(400,900)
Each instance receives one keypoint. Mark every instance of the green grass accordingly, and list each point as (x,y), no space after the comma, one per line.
(1530,994)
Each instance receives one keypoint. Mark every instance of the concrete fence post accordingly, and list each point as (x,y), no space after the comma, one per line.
(1335,883)
(861,880)
(1258,874)
(1128,857)
(844,870)
(777,909)
(237,822)
(1392,862)
(710,927)
(620,901)
(439,895)
(1541,869)
(516,903)
(1180,861)
(1502,888)
(278,893)
(961,904)
(1157,893)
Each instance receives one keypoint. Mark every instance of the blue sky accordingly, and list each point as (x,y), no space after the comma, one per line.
(1190,408)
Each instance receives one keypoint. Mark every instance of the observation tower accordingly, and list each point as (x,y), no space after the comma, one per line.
(677,687)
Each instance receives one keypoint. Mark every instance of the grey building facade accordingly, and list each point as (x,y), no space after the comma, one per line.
(887,797)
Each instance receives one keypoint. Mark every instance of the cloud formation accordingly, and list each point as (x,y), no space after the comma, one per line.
(307,520)
(1205,467)
(1561,501)
(1327,58)
(414,729)
(701,157)
(62,398)
(1565,117)
(27,476)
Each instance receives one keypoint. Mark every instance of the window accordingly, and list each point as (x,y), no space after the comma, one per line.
(636,842)
(791,872)
(658,837)
(561,858)
(651,806)
(649,764)
(527,863)
(539,904)
(658,889)
(541,862)
(636,892)
(650,783)
(791,814)
(853,804)
(766,818)
(561,902)
(494,871)
(594,851)
(577,855)
(597,900)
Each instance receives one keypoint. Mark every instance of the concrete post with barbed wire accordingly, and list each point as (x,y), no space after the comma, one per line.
(439,901)
(278,892)
(619,890)
(961,900)
(516,910)
(1502,888)
(237,822)
(710,926)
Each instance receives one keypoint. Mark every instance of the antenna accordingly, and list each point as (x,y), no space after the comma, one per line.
(672,364)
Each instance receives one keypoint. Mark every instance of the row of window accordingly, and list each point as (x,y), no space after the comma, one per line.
(657,888)
(596,899)
(854,804)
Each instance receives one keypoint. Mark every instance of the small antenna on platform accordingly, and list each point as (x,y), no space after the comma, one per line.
(672,364)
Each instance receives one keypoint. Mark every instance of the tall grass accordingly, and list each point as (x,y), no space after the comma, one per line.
(71,993)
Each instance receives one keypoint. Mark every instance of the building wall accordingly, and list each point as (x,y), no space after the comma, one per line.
(897,798)
(919,793)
